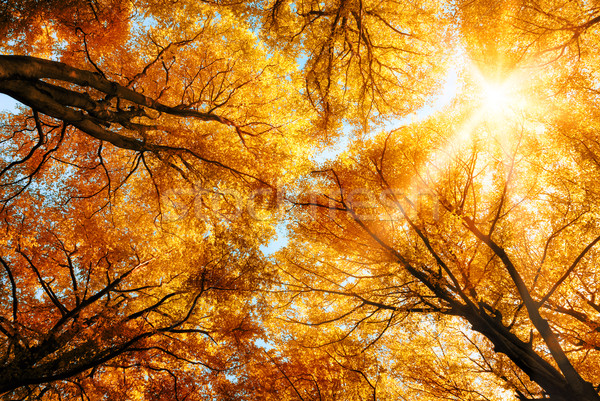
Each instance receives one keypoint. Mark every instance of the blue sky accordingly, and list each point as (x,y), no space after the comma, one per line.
(7,103)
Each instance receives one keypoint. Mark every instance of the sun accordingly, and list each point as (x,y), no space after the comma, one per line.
(499,103)
(502,98)
(496,96)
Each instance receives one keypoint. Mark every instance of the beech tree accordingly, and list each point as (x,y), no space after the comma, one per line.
(445,254)
(128,270)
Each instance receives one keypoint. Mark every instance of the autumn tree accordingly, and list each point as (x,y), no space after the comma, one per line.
(484,213)
(130,265)
(443,255)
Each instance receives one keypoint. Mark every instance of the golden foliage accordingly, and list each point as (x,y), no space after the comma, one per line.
(437,237)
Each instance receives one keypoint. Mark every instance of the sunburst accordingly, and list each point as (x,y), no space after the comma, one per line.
(499,97)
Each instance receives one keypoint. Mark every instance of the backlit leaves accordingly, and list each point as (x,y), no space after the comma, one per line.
(444,252)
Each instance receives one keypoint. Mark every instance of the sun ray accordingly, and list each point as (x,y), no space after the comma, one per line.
(497,114)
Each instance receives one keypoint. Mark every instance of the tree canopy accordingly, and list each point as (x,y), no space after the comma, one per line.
(303,200)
